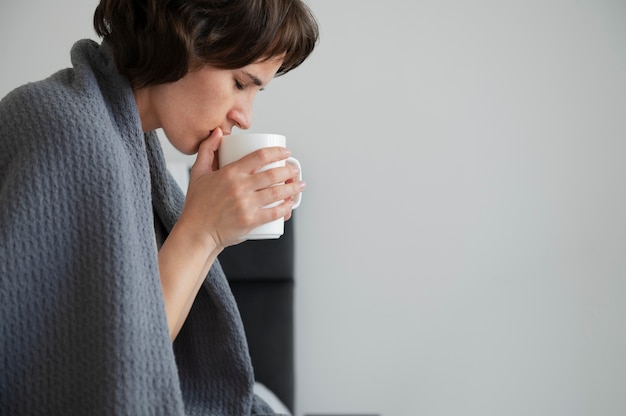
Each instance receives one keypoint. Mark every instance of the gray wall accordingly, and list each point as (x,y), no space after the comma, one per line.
(461,244)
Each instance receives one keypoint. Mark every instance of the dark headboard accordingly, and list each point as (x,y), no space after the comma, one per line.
(261,276)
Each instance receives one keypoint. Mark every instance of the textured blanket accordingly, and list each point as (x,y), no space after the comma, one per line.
(82,322)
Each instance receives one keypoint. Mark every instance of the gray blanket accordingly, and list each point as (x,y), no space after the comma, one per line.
(82,323)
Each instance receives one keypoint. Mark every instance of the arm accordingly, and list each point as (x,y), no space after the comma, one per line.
(220,208)
(183,265)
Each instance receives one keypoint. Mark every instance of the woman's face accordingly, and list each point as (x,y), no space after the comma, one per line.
(189,109)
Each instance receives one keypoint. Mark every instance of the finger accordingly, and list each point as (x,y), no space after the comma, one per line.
(284,192)
(282,210)
(273,176)
(288,214)
(262,157)
(207,151)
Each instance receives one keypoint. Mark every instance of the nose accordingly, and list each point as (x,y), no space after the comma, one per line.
(241,115)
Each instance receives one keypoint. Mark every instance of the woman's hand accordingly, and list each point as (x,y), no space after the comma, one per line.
(225,204)
(221,207)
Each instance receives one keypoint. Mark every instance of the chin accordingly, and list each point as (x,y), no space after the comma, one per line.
(187,148)
(190,151)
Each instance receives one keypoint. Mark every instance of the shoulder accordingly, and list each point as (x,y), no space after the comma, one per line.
(51,116)
(43,105)
(88,92)
(73,108)
(67,97)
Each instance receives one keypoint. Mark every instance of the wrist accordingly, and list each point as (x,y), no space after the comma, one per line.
(195,238)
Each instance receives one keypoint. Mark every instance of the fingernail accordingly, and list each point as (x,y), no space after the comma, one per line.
(302,185)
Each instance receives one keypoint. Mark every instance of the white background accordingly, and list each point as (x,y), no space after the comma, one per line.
(461,247)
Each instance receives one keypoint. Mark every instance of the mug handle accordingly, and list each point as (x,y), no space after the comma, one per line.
(298,198)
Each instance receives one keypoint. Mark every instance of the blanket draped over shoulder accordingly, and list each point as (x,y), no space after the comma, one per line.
(82,320)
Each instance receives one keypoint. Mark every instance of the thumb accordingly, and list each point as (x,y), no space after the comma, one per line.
(206,158)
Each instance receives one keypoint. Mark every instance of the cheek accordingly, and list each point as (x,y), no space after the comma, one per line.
(206,103)
(187,127)
(196,109)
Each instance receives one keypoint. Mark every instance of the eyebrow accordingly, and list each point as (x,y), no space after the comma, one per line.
(254,79)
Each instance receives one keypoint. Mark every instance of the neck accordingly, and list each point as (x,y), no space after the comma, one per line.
(148,121)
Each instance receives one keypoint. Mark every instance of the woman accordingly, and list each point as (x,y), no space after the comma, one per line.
(102,259)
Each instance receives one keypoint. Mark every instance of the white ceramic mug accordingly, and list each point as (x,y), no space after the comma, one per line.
(236,146)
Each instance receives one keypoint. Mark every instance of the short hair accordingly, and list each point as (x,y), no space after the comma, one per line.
(159,41)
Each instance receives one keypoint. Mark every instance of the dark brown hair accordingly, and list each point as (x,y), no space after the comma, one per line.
(158,41)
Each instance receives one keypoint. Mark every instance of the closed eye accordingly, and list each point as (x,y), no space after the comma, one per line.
(255,80)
